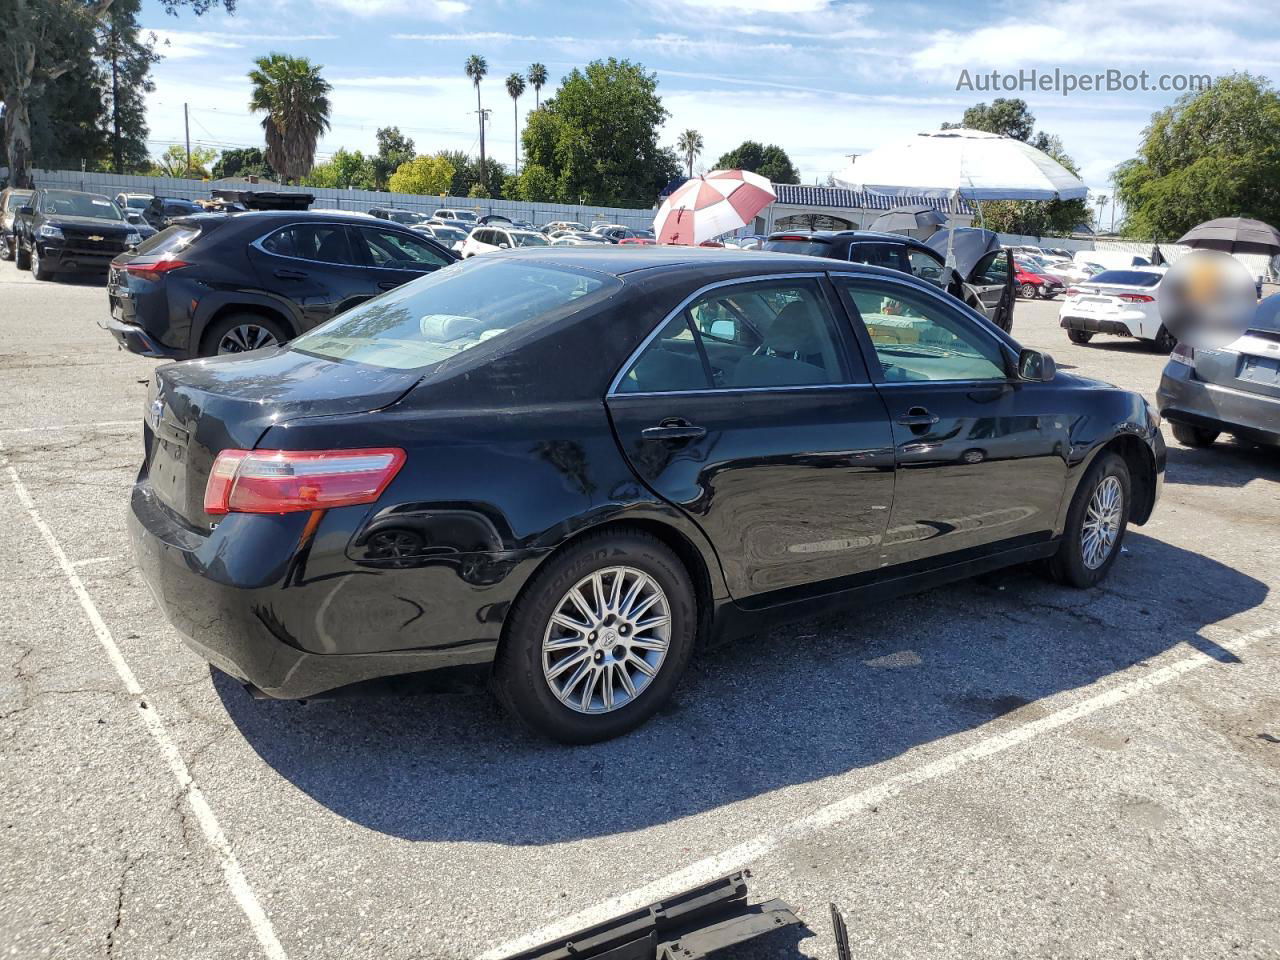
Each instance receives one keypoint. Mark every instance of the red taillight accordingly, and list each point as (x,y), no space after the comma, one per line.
(1135,298)
(286,481)
(154,270)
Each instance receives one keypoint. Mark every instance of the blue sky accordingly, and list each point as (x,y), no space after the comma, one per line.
(822,78)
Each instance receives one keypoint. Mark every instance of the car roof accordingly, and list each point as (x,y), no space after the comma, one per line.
(845,235)
(617,260)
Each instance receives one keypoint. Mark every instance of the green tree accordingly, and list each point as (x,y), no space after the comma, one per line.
(536,185)
(243,162)
(394,149)
(598,136)
(770,162)
(295,100)
(346,168)
(68,117)
(689,145)
(1211,154)
(515,87)
(537,79)
(423,175)
(1007,115)
(40,42)
(1013,118)
(476,68)
(127,58)
(174,163)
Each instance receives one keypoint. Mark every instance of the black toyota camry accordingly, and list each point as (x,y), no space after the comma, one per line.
(570,467)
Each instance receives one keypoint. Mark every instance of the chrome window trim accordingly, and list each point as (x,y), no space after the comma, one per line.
(722,390)
(635,354)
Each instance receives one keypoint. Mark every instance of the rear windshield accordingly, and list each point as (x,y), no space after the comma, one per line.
(529,239)
(72,204)
(1127,278)
(405,216)
(167,241)
(466,215)
(452,310)
(803,245)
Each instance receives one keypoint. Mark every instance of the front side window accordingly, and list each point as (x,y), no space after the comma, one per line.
(750,336)
(399,251)
(450,311)
(925,266)
(917,338)
(325,242)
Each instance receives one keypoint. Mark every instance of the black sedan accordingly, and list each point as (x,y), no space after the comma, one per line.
(570,467)
(216,283)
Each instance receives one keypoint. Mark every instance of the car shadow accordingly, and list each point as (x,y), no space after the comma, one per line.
(1227,463)
(796,705)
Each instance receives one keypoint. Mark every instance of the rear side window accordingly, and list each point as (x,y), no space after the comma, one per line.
(325,242)
(170,240)
(1128,278)
(453,310)
(802,245)
(752,336)
(877,254)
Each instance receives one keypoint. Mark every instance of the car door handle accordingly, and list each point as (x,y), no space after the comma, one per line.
(388,284)
(291,274)
(917,417)
(674,430)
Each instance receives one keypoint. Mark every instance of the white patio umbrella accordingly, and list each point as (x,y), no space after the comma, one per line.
(706,207)
(961,163)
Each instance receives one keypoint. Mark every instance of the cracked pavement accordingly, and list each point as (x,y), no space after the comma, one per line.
(412,824)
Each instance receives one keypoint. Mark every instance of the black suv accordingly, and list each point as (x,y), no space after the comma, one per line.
(217,283)
(986,287)
(66,231)
(162,211)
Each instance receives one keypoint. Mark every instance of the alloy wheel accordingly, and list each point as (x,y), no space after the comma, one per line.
(246,336)
(607,639)
(1101,525)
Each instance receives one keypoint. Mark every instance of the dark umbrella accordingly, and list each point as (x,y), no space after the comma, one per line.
(1234,235)
(1157,258)
(909,218)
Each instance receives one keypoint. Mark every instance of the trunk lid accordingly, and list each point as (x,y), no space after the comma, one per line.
(199,408)
(1251,363)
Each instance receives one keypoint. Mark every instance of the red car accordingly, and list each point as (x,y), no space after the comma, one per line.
(643,241)
(1032,284)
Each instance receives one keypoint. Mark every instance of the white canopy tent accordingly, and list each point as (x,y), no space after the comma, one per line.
(956,163)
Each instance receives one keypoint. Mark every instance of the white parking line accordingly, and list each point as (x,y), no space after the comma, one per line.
(75,426)
(837,812)
(231,871)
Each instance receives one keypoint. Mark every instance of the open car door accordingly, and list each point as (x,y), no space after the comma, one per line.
(991,281)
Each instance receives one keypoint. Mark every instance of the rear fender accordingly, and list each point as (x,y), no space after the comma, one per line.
(216,302)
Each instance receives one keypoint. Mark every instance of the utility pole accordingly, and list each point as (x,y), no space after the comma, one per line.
(117,152)
(484,166)
(186,123)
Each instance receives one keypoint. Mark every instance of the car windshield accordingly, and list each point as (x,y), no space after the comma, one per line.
(451,311)
(405,216)
(1128,278)
(138,203)
(803,245)
(449,234)
(466,215)
(527,238)
(72,204)
(17,200)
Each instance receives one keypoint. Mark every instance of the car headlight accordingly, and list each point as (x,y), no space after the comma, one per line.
(50,231)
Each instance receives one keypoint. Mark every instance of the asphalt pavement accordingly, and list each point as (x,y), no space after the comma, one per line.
(999,768)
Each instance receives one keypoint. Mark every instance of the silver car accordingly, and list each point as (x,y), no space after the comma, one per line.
(1234,389)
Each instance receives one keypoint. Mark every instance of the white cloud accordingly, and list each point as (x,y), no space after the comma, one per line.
(431,9)
(760,6)
(187,44)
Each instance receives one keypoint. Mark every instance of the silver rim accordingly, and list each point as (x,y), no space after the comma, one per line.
(606,640)
(247,336)
(1102,523)
(35,260)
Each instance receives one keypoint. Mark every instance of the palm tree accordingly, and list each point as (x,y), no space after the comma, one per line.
(295,99)
(690,144)
(515,87)
(537,80)
(476,69)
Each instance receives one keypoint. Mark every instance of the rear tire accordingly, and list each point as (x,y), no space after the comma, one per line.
(245,331)
(1079,336)
(1190,436)
(6,249)
(1164,341)
(1096,524)
(524,676)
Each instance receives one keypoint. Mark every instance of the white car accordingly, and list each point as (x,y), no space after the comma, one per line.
(486,239)
(1121,303)
(555,226)
(451,237)
(1076,272)
(576,238)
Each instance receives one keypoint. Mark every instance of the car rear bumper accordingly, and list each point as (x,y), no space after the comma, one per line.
(246,602)
(1183,399)
(136,340)
(1096,325)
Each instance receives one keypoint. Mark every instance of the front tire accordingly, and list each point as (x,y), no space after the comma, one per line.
(6,249)
(37,265)
(1096,524)
(1190,436)
(21,260)
(1079,336)
(578,663)
(1029,291)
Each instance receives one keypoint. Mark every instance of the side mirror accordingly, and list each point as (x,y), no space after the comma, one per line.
(1036,366)
(25,211)
(504,246)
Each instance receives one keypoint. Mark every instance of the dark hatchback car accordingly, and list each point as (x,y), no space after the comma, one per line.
(67,231)
(571,466)
(218,283)
(986,286)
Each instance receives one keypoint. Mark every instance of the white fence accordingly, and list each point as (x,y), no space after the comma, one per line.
(336,199)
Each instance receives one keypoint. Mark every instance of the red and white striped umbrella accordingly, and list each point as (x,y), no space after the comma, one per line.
(706,207)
